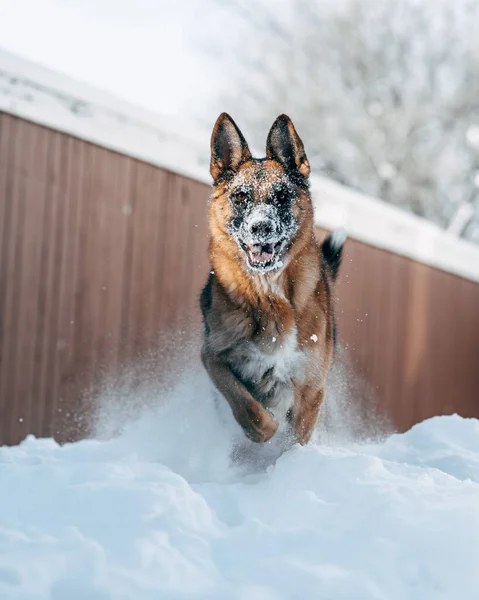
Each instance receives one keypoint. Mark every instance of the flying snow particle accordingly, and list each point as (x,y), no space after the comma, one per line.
(472,136)
(387,171)
(314,337)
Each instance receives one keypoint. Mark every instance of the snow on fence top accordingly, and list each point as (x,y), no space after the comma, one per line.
(55,100)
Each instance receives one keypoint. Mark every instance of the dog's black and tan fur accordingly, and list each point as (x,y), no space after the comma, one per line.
(268,310)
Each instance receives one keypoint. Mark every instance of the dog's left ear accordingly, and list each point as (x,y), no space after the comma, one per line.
(228,147)
(285,146)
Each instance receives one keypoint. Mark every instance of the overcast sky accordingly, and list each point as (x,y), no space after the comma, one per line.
(142,50)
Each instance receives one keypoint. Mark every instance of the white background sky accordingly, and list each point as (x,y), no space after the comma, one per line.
(170,56)
(141,50)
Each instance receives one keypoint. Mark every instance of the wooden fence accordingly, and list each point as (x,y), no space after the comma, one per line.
(101,254)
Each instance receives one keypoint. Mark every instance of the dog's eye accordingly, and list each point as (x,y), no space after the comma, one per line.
(282,196)
(240,196)
(239,199)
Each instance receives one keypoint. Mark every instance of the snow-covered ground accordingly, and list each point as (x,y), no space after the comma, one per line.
(160,512)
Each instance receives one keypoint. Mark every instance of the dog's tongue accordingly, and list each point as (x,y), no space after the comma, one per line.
(261,253)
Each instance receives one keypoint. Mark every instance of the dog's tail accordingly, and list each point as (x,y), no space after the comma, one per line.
(332,249)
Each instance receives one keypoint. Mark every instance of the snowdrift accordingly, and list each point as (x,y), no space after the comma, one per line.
(160,512)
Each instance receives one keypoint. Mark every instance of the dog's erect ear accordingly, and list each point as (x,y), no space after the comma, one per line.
(228,147)
(285,146)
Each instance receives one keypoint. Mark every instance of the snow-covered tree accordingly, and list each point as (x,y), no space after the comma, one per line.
(384,93)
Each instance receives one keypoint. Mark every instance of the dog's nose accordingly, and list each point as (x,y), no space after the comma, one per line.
(262,228)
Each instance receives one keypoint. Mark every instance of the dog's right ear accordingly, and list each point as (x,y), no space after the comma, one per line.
(228,148)
(285,145)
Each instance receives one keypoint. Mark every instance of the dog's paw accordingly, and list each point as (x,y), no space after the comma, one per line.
(262,425)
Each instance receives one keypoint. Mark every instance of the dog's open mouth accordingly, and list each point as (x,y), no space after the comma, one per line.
(262,256)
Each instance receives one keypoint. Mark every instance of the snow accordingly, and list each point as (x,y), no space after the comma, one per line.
(472,136)
(159,511)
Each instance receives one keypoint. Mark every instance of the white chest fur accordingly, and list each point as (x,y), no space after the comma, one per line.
(283,363)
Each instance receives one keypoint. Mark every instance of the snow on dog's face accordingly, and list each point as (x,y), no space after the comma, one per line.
(262,220)
(259,204)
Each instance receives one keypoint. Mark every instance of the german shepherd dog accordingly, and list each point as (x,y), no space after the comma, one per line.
(269,327)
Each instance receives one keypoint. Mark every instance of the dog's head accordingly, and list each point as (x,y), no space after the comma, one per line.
(259,206)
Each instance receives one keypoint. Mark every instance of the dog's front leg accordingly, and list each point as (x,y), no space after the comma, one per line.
(307,402)
(258,424)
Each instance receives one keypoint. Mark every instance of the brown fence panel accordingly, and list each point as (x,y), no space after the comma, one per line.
(99,254)
(411,332)
(102,254)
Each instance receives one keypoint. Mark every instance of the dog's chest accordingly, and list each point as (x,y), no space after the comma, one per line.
(279,356)
(268,368)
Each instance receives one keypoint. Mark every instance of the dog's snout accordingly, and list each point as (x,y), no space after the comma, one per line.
(262,228)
